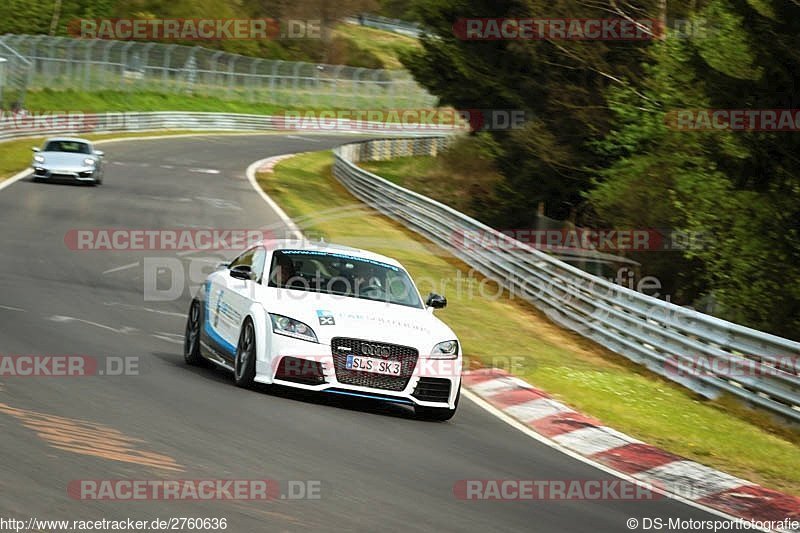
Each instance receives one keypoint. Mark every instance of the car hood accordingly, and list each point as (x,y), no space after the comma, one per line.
(65,160)
(341,316)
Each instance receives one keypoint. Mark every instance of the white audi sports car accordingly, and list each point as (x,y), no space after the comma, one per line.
(323,317)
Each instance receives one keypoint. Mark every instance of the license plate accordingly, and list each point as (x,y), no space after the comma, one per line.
(374,365)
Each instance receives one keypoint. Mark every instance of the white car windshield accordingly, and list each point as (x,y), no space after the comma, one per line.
(342,274)
(73,147)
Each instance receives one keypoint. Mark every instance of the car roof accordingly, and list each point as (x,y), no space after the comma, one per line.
(322,246)
(68,139)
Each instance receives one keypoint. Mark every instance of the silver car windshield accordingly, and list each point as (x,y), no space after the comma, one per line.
(342,274)
(72,147)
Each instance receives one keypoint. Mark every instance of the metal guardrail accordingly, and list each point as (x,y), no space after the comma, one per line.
(705,354)
(22,125)
(409,29)
(99,64)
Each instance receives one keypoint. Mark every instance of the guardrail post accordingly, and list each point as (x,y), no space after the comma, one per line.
(273,76)
(52,64)
(317,69)
(107,61)
(167,66)
(377,88)
(69,59)
(356,87)
(190,70)
(231,74)
(124,63)
(146,60)
(213,67)
(87,64)
(296,82)
(255,80)
(336,73)
(33,55)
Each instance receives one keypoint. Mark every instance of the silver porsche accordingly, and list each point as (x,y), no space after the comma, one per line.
(68,159)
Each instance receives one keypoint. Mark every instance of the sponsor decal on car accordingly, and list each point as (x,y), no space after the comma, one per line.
(325,318)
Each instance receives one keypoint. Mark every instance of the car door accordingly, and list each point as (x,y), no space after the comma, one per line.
(230,299)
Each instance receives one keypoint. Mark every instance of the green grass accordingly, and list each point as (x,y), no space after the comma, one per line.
(100,101)
(153,95)
(384,45)
(70,100)
(466,167)
(512,333)
(408,172)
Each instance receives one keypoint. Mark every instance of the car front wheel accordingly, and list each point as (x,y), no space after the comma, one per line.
(245,363)
(191,340)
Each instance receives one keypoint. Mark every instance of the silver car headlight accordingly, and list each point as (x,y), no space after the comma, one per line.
(38,158)
(445,350)
(89,161)
(283,325)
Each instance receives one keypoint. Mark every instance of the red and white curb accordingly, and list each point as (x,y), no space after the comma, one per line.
(268,165)
(621,453)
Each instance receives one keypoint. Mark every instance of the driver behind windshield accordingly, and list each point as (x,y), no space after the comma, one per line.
(366,281)
(67,146)
(282,270)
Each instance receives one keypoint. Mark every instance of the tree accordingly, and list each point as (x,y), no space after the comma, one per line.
(559,84)
(738,188)
(327,12)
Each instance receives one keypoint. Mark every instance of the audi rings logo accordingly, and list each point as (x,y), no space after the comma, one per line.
(372,349)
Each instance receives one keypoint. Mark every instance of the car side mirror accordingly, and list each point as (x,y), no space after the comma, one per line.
(99,153)
(436,301)
(35,148)
(242,272)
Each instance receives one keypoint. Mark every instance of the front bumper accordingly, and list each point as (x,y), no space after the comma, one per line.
(47,173)
(310,366)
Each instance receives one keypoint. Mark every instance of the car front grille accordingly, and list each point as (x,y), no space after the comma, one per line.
(341,347)
(432,390)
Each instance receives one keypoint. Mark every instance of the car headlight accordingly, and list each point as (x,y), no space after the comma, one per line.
(283,325)
(445,350)
(38,158)
(89,161)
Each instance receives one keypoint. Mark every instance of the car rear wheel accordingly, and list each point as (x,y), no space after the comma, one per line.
(191,340)
(437,414)
(245,363)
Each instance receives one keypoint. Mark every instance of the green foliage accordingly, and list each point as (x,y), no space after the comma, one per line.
(345,48)
(602,139)
(382,47)
(397,9)
(721,184)
(560,84)
(726,48)
(36,16)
